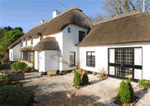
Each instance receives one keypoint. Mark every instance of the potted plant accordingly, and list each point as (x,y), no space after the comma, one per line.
(103,74)
(18,68)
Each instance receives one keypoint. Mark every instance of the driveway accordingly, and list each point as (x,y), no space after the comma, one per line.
(104,91)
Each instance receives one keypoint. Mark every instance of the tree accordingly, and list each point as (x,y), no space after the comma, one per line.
(19,28)
(117,7)
(9,38)
(8,28)
(96,18)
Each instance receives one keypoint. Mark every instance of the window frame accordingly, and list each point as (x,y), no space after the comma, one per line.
(87,62)
(21,44)
(74,58)
(26,43)
(82,36)
(31,41)
(41,37)
(69,30)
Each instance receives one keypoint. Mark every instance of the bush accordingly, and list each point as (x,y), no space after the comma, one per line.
(16,96)
(130,88)
(18,66)
(77,79)
(124,92)
(4,76)
(103,72)
(85,79)
(144,83)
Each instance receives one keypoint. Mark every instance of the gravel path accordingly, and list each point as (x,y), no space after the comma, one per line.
(51,89)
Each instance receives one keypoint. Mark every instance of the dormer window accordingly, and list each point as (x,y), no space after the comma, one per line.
(26,42)
(31,41)
(81,35)
(21,44)
(69,30)
(41,37)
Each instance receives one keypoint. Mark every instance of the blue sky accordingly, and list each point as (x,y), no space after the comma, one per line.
(28,13)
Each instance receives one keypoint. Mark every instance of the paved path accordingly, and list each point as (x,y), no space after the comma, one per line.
(104,91)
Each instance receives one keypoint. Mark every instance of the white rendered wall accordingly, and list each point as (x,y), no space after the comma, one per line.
(36,60)
(101,57)
(15,53)
(58,37)
(11,54)
(51,60)
(69,42)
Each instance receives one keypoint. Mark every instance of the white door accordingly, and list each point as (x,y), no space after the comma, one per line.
(40,61)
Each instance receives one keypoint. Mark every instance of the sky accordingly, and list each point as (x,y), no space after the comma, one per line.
(29,13)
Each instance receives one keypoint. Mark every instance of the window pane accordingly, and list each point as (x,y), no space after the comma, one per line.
(91,59)
(138,56)
(72,58)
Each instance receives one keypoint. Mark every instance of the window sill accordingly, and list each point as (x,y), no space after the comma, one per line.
(72,66)
(91,66)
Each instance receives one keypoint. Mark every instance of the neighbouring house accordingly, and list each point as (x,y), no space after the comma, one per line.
(119,44)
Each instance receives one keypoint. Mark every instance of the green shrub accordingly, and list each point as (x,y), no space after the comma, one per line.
(77,79)
(18,66)
(128,82)
(3,77)
(16,96)
(85,79)
(103,72)
(144,83)
(124,93)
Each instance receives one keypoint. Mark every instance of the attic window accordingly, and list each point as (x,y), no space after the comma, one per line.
(41,37)
(31,41)
(69,30)
(26,42)
(81,35)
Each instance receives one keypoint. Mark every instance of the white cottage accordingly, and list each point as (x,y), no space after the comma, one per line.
(52,43)
(120,44)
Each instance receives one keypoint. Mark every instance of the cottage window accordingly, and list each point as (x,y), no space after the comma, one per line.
(41,37)
(28,56)
(90,58)
(72,58)
(31,41)
(26,42)
(21,44)
(69,30)
(81,35)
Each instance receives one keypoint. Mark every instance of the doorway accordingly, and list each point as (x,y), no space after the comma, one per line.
(121,62)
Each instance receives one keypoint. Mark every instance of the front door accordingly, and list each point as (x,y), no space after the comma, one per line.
(122,63)
(40,61)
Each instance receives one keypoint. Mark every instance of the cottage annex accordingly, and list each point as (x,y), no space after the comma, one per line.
(119,44)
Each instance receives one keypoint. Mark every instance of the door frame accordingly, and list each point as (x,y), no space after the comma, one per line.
(133,66)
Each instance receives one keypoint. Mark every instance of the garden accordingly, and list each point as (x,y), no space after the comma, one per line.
(78,86)
(11,90)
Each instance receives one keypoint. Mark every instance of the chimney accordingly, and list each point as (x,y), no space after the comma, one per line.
(42,21)
(55,13)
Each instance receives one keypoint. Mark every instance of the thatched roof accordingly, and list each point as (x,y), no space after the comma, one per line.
(26,49)
(132,28)
(48,43)
(71,16)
